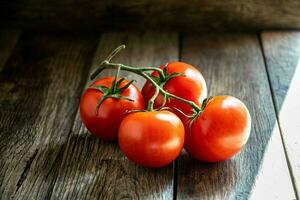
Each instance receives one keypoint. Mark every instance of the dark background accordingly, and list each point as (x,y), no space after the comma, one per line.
(128,15)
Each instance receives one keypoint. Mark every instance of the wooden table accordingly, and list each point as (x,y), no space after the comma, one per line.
(46,153)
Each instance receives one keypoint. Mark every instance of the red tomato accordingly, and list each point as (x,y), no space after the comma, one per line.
(220,131)
(111,112)
(151,138)
(191,86)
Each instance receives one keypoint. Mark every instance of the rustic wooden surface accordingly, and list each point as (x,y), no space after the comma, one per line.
(282,52)
(40,89)
(46,153)
(200,15)
(233,64)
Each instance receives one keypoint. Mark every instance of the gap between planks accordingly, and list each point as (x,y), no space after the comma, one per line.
(282,52)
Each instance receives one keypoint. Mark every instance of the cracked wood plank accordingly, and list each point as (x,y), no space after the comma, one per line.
(233,64)
(282,53)
(40,87)
(8,40)
(94,169)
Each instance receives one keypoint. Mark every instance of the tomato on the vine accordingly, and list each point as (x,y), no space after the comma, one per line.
(182,80)
(102,116)
(220,131)
(151,138)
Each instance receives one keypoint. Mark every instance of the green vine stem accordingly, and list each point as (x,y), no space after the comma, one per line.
(142,71)
(115,52)
(151,101)
(113,65)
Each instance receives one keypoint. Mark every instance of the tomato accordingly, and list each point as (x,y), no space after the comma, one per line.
(151,138)
(220,131)
(105,121)
(190,86)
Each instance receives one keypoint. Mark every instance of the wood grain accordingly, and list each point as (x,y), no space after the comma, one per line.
(282,53)
(233,64)
(94,169)
(40,88)
(200,15)
(8,40)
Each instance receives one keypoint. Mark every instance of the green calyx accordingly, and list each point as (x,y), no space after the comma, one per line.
(161,80)
(198,113)
(205,102)
(113,92)
(195,113)
(164,77)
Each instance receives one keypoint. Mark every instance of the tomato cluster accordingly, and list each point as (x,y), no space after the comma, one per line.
(115,109)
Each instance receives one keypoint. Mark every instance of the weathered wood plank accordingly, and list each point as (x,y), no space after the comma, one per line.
(233,64)
(94,169)
(40,89)
(200,15)
(8,40)
(282,53)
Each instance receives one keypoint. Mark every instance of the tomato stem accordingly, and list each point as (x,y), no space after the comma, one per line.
(114,83)
(151,101)
(107,65)
(142,71)
(114,53)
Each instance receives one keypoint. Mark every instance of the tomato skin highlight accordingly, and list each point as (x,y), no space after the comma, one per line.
(111,112)
(220,131)
(152,138)
(191,86)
